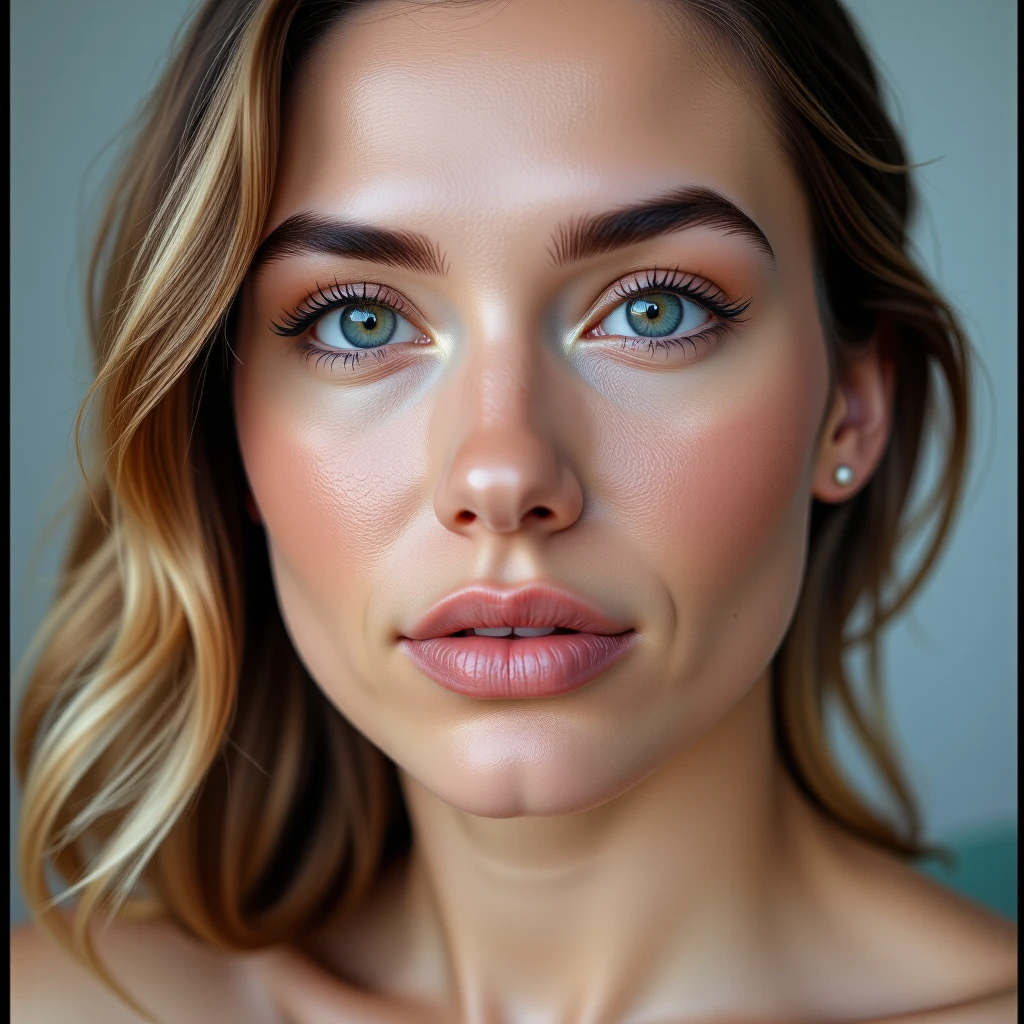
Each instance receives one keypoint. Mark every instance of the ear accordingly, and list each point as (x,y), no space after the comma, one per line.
(859,423)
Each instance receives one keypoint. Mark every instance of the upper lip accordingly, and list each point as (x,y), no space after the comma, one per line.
(536,605)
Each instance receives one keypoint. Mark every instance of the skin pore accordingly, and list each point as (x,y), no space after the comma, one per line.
(632,850)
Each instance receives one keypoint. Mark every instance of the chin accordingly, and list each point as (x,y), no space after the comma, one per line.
(523,794)
(531,763)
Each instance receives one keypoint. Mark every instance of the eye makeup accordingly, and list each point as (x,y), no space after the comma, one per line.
(651,310)
(656,305)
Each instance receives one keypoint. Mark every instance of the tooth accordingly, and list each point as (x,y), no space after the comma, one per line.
(531,631)
(499,631)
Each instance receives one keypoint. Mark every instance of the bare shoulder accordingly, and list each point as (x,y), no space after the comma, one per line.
(998,1008)
(931,956)
(176,978)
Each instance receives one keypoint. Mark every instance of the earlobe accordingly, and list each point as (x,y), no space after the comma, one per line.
(857,432)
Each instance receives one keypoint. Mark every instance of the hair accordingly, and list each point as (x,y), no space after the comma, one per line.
(176,757)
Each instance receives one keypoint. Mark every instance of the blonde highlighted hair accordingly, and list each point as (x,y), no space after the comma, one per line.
(174,753)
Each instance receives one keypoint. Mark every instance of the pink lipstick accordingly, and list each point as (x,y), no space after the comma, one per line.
(540,641)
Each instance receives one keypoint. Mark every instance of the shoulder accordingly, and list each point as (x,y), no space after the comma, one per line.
(998,1008)
(918,952)
(174,977)
(967,955)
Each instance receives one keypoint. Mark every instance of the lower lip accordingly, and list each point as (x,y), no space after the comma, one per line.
(537,666)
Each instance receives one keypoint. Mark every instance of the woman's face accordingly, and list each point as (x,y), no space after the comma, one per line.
(526,393)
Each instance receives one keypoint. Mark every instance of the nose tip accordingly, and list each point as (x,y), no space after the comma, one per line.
(504,485)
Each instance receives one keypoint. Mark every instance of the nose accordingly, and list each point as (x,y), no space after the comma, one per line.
(505,474)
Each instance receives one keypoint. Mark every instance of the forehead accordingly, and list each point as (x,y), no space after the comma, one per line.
(448,110)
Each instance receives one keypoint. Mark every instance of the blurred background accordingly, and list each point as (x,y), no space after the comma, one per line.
(78,72)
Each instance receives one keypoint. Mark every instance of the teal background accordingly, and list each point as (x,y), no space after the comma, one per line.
(78,69)
(985,868)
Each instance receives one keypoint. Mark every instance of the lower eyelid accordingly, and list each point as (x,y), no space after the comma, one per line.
(713,324)
(692,334)
(691,345)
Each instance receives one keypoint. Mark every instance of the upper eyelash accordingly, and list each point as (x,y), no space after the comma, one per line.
(705,294)
(320,302)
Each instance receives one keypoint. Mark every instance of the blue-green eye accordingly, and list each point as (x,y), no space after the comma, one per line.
(655,315)
(363,325)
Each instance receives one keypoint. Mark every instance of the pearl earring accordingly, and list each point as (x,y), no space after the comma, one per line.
(843,475)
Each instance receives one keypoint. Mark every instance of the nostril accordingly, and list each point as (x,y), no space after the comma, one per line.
(465,516)
(541,512)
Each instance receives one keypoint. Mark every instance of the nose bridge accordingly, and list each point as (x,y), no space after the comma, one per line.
(505,470)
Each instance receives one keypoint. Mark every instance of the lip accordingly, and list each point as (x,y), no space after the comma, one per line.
(499,667)
(537,605)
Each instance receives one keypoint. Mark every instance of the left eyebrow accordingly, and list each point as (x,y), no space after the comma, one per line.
(309,233)
(673,211)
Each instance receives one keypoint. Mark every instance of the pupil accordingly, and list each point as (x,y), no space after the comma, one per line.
(364,317)
(652,310)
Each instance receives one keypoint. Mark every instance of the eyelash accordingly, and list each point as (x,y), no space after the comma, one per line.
(687,286)
(318,304)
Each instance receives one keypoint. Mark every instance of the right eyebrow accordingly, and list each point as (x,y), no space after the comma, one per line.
(304,233)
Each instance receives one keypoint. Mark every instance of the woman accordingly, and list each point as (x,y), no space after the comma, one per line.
(504,411)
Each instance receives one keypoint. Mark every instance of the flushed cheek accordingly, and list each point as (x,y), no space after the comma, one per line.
(334,493)
(717,500)
(747,490)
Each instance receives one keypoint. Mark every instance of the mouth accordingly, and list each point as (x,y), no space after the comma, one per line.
(533,610)
(532,641)
(516,632)
(517,667)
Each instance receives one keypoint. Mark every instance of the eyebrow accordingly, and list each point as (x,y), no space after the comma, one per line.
(576,240)
(673,211)
(304,233)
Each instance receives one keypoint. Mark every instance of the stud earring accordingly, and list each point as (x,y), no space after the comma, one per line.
(843,475)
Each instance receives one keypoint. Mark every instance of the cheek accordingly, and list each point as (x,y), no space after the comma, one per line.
(747,488)
(335,482)
(718,496)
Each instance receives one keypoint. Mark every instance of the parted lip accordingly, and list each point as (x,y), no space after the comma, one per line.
(536,605)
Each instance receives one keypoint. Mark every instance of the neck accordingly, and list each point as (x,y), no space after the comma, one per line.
(593,914)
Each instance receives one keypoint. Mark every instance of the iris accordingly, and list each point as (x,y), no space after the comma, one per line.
(655,316)
(367,326)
